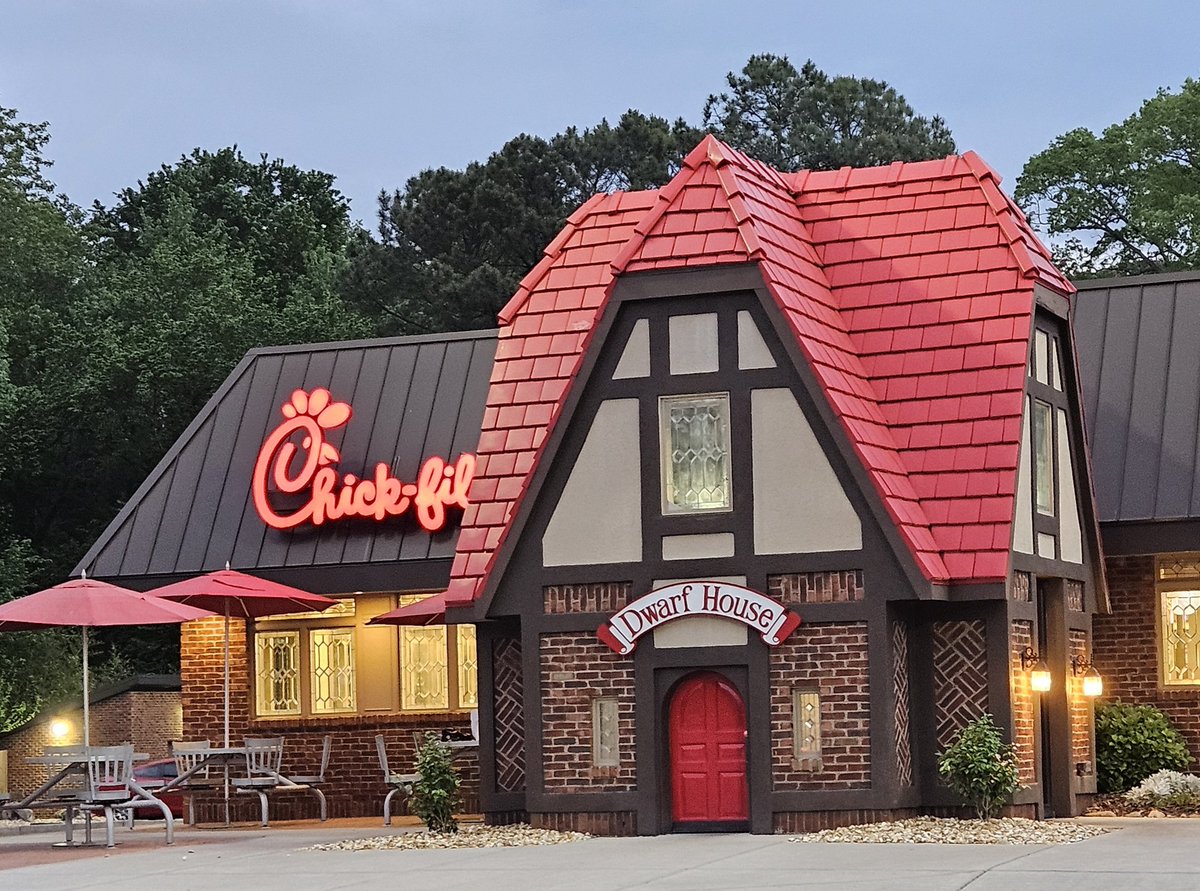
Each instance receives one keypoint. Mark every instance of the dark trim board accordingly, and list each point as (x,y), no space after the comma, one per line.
(1150,537)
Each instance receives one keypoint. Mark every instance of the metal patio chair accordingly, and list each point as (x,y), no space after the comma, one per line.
(187,756)
(399,782)
(108,771)
(264,757)
(312,782)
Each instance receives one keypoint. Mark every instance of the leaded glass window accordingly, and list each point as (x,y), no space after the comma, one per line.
(695,452)
(1180,637)
(468,665)
(277,662)
(331,660)
(424,681)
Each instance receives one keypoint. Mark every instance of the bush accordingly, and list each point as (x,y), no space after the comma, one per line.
(1167,788)
(981,767)
(435,794)
(1132,742)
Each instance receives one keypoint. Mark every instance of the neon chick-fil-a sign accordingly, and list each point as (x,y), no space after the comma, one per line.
(308,418)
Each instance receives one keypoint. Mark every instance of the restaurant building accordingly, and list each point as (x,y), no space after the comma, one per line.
(1141,377)
(775,482)
(410,400)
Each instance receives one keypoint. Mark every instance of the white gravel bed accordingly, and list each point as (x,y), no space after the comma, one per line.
(946,831)
(518,835)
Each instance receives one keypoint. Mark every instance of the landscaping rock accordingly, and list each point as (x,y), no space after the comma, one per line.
(941,831)
(518,835)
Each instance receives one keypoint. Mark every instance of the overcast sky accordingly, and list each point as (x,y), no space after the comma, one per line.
(375,91)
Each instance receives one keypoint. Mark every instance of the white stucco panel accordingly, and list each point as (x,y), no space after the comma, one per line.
(635,358)
(598,518)
(693,343)
(799,504)
(1070,532)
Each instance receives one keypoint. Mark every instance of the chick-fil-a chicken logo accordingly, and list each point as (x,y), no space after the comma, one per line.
(439,484)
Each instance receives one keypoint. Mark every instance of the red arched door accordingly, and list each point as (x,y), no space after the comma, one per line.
(708,751)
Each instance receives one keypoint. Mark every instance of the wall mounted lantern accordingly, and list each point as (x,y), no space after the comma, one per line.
(59,728)
(1093,684)
(1039,676)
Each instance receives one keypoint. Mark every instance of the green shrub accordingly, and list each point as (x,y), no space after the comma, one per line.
(981,767)
(435,794)
(1132,742)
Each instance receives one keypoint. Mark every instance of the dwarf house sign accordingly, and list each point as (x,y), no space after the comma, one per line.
(771,620)
(307,420)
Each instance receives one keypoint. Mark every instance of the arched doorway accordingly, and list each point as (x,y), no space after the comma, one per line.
(707,721)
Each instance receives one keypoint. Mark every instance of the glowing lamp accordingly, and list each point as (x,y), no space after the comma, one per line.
(1093,684)
(59,728)
(1039,676)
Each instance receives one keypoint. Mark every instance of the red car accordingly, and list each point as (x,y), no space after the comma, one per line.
(152,774)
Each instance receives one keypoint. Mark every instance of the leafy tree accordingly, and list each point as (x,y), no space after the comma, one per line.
(453,244)
(981,767)
(797,119)
(1127,201)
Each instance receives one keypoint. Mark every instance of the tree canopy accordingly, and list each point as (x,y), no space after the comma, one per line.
(1127,201)
(804,119)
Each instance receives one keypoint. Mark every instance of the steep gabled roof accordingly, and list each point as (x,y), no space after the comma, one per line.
(908,288)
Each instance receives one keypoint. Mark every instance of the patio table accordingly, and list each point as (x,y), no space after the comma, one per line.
(74,763)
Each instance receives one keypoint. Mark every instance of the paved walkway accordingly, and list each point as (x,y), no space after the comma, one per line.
(1145,854)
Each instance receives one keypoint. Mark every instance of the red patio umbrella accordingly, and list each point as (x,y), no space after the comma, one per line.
(430,611)
(86,603)
(237,594)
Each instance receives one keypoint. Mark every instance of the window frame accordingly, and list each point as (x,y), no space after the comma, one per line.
(1162,589)
(666,465)
(355,621)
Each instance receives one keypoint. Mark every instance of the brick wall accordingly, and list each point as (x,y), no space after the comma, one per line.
(1125,647)
(603,597)
(355,786)
(147,719)
(817,587)
(1080,706)
(593,823)
(1020,637)
(575,669)
(831,658)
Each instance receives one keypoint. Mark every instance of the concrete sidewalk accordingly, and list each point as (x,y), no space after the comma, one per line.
(1143,854)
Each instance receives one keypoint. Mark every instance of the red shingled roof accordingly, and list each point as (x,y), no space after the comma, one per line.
(909,289)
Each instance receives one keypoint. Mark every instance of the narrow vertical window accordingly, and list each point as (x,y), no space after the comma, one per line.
(695,453)
(468,664)
(605,735)
(277,664)
(331,659)
(1180,637)
(806,728)
(1043,452)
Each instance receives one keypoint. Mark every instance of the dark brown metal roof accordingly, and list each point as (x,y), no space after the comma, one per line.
(413,397)
(1139,353)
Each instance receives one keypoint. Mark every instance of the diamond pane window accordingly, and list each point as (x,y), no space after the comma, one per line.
(1173,568)
(468,665)
(695,453)
(806,723)
(331,656)
(1180,637)
(277,666)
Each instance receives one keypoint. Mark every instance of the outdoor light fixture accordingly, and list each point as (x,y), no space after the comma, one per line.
(59,728)
(1093,684)
(1039,677)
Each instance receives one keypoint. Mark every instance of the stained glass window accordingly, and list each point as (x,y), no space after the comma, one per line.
(806,723)
(695,450)
(1180,637)
(331,661)
(468,665)
(277,664)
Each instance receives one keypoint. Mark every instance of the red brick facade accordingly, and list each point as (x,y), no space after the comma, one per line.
(355,786)
(817,587)
(832,659)
(604,597)
(1125,647)
(1080,706)
(1023,706)
(575,669)
(145,718)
